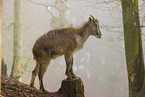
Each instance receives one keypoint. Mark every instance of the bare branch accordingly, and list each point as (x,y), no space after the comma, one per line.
(38,3)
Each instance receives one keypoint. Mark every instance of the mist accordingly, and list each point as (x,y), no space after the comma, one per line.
(101,64)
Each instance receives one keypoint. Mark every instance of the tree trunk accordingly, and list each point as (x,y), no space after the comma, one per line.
(1,9)
(3,68)
(133,46)
(142,91)
(17,42)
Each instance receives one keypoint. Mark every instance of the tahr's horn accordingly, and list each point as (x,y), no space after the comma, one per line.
(92,17)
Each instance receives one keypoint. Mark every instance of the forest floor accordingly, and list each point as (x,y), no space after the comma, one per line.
(13,88)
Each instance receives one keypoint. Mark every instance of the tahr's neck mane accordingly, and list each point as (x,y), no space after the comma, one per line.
(83,31)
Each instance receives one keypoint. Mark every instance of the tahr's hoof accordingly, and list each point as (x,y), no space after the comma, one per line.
(71,77)
(44,91)
(32,86)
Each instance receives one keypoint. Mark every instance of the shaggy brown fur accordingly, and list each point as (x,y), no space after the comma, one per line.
(61,41)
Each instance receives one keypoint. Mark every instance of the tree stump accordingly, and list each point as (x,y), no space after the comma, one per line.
(72,88)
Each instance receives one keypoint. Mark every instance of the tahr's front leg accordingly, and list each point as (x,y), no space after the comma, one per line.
(69,67)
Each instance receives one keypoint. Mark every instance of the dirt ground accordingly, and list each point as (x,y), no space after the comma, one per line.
(13,88)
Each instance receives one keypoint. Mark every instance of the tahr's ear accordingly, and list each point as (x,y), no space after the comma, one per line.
(90,19)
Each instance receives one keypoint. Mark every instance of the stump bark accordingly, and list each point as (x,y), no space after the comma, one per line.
(72,88)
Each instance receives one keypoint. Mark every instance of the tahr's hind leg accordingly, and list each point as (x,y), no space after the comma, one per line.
(42,70)
(34,73)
